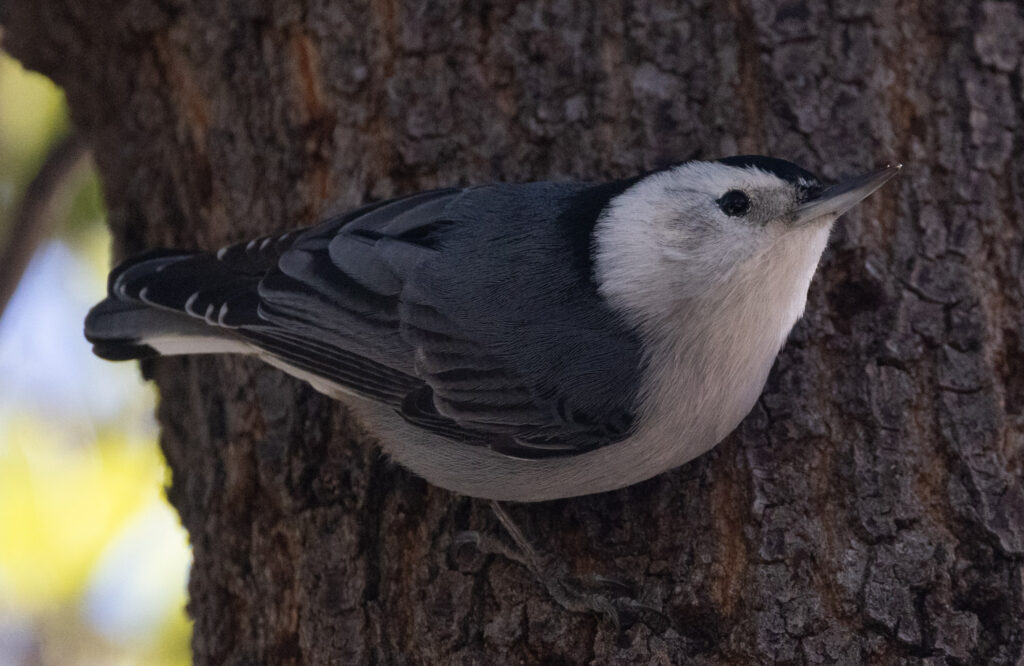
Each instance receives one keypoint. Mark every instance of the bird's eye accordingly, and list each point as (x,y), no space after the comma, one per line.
(734,203)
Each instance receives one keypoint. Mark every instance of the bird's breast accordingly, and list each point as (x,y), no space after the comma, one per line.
(711,357)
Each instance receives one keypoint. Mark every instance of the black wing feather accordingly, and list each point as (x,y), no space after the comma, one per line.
(345,301)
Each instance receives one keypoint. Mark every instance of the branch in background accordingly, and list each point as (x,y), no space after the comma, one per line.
(33,219)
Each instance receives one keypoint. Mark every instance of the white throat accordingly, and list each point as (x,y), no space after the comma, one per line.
(710,355)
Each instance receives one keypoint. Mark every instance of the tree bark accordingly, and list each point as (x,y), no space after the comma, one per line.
(870,508)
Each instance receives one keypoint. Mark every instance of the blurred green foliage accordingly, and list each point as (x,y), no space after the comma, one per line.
(93,562)
(32,116)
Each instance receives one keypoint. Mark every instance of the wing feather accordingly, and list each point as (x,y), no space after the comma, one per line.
(345,301)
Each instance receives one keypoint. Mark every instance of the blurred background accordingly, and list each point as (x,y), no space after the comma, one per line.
(93,561)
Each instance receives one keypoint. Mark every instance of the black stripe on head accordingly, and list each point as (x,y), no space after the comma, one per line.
(808,185)
(787,171)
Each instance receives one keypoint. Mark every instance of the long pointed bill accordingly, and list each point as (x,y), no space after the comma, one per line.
(837,199)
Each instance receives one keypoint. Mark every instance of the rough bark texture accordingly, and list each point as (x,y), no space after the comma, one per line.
(870,509)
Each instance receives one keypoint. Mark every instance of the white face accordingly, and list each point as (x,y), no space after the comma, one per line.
(696,224)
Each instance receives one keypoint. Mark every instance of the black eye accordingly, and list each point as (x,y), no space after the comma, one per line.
(734,203)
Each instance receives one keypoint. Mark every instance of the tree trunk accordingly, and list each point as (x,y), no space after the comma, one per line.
(870,509)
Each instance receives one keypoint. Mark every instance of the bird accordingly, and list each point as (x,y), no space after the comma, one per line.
(515,341)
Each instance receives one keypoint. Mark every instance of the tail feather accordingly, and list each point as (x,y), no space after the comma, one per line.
(126,325)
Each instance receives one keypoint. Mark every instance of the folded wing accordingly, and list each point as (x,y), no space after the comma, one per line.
(341,301)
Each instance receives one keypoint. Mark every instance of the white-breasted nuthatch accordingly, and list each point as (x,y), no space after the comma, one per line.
(521,341)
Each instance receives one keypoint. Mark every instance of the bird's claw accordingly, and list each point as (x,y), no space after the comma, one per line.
(575,594)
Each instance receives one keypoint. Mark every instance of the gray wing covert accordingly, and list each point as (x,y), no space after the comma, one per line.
(344,303)
(331,305)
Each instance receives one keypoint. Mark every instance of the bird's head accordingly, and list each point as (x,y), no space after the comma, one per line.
(698,227)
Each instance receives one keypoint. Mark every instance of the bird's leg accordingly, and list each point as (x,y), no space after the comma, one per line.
(577,597)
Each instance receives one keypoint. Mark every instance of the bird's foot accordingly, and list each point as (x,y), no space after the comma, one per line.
(608,597)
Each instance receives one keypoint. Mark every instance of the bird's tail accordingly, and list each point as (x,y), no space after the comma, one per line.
(150,309)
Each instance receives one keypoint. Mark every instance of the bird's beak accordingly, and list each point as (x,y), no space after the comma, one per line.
(835,200)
